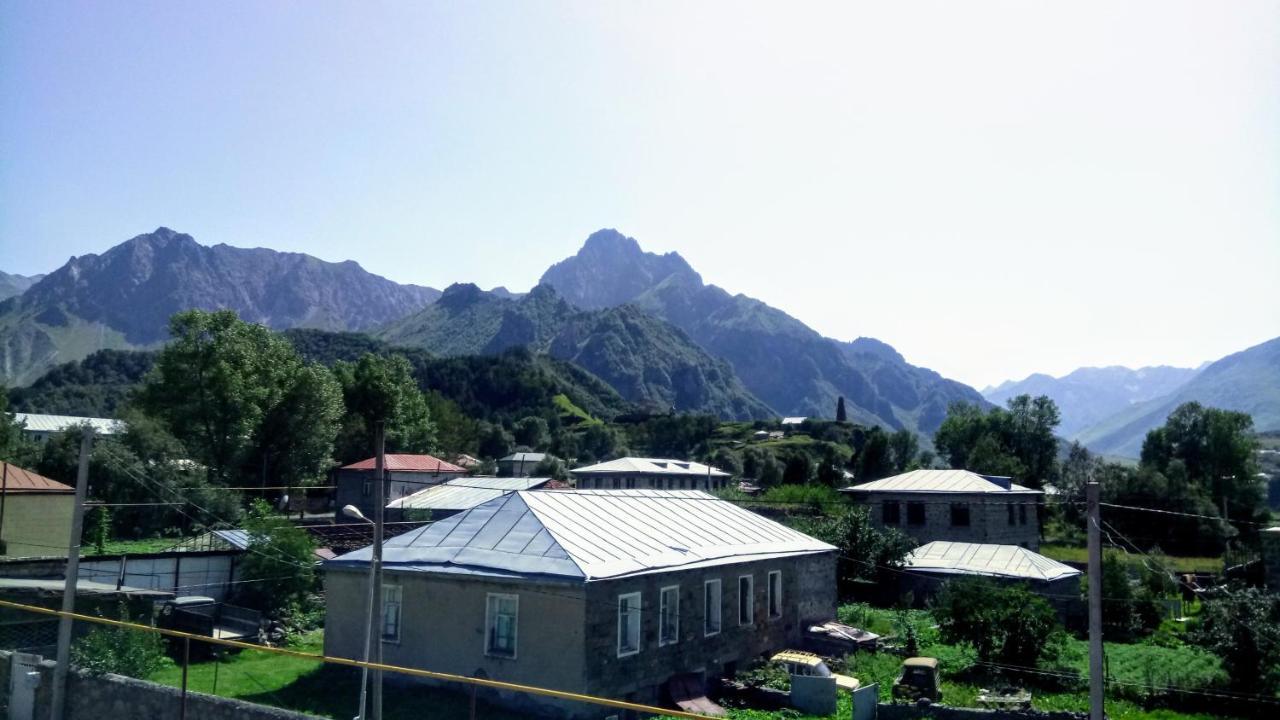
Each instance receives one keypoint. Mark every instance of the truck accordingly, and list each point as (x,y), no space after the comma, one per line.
(200,615)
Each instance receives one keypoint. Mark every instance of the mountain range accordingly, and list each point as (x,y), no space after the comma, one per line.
(11,285)
(644,323)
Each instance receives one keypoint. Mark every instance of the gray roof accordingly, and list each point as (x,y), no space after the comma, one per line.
(650,466)
(584,535)
(465,493)
(943,481)
(57,423)
(524,457)
(83,587)
(1008,561)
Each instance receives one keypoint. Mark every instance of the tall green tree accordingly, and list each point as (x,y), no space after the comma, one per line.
(277,572)
(867,552)
(875,459)
(903,447)
(1216,449)
(1004,624)
(13,448)
(221,379)
(381,388)
(1017,441)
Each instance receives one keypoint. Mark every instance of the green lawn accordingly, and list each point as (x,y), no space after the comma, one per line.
(1074,554)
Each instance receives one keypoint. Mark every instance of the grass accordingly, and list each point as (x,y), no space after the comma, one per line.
(309,686)
(567,407)
(1073,554)
(133,547)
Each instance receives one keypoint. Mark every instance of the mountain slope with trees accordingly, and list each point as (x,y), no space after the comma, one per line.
(124,298)
(1089,395)
(782,361)
(1247,381)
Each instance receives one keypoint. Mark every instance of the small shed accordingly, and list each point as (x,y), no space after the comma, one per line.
(35,513)
(930,565)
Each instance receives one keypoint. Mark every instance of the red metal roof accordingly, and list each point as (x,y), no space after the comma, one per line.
(410,463)
(19,480)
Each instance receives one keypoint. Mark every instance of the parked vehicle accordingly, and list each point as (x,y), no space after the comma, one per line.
(205,616)
(797,662)
(918,680)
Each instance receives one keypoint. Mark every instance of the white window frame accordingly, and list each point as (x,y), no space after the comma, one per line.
(751,600)
(489,614)
(717,607)
(397,591)
(770,598)
(638,610)
(673,590)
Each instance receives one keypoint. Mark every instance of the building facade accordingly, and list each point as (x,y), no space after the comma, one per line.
(635,473)
(586,592)
(954,505)
(405,475)
(35,514)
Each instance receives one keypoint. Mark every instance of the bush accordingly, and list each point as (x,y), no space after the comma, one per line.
(121,651)
(1242,626)
(277,572)
(866,551)
(1005,624)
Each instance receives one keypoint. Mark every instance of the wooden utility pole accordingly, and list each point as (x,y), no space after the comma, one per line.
(69,587)
(1096,679)
(379,513)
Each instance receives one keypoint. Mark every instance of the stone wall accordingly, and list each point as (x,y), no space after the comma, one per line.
(94,697)
(989,517)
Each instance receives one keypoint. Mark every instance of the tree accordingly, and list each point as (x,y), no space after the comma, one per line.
(1217,450)
(381,388)
(867,552)
(533,433)
(119,651)
(219,380)
(875,459)
(276,572)
(1242,626)
(798,470)
(13,447)
(1017,441)
(903,446)
(1006,624)
(495,441)
(841,416)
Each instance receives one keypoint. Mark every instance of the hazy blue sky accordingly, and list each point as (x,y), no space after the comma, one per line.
(993,188)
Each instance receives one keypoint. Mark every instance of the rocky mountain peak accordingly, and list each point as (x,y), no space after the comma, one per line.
(612,269)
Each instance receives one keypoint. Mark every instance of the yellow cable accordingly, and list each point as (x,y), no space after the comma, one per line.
(530,689)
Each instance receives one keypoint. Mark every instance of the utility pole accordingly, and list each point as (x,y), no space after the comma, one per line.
(379,513)
(1096,680)
(73,574)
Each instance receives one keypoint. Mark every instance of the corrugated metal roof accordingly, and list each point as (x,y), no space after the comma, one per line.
(465,493)
(524,457)
(57,423)
(1011,561)
(238,539)
(650,466)
(586,535)
(409,463)
(21,480)
(793,420)
(942,481)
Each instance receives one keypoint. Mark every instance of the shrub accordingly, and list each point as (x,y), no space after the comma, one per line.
(121,651)
(277,572)
(1006,624)
(1242,626)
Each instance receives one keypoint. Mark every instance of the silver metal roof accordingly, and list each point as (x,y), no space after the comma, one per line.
(650,466)
(524,457)
(465,493)
(57,423)
(943,481)
(585,535)
(1009,561)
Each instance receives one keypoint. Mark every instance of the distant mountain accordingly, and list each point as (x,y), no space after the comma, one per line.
(648,361)
(97,386)
(11,285)
(1088,396)
(782,361)
(1248,381)
(124,297)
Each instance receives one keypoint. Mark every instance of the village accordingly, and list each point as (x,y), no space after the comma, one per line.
(659,584)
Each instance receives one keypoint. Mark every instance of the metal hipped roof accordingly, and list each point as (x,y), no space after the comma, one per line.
(943,481)
(36,422)
(1009,561)
(408,463)
(465,493)
(587,535)
(650,466)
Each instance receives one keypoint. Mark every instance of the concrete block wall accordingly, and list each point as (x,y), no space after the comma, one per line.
(988,517)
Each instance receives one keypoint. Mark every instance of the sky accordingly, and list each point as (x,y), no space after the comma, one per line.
(994,188)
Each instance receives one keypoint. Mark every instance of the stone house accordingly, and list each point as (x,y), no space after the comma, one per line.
(954,505)
(35,513)
(930,566)
(406,474)
(606,593)
(636,473)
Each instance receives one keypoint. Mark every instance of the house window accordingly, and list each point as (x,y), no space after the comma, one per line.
(669,616)
(711,608)
(617,483)
(391,613)
(775,594)
(367,488)
(628,624)
(631,483)
(915,513)
(1022,514)
(1011,520)
(746,600)
(501,615)
(959,514)
(891,512)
